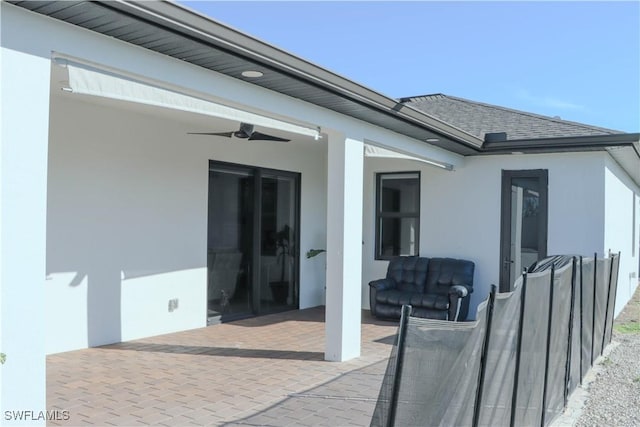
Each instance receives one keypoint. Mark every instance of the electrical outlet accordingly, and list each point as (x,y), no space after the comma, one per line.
(173,304)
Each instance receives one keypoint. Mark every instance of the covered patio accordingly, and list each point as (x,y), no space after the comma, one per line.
(107,204)
(268,370)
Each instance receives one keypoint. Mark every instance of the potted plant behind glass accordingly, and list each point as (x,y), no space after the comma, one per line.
(280,288)
(314,252)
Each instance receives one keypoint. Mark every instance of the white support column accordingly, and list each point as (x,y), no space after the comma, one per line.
(344,247)
(24,136)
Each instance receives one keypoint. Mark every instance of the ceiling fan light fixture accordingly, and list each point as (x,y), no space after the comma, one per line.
(252,74)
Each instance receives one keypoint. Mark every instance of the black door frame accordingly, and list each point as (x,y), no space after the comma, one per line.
(505,219)
(257,173)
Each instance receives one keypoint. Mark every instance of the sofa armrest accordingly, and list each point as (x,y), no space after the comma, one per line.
(458,302)
(383,284)
(374,287)
(459,291)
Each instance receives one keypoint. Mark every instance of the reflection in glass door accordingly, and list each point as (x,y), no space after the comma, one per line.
(278,245)
(229,242)
(524,223)
(253,245)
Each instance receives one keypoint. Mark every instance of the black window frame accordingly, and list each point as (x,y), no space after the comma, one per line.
(380,215)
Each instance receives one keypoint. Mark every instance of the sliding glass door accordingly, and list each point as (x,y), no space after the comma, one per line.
(253,250)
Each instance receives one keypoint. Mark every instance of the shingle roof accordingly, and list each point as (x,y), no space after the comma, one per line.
(478,118)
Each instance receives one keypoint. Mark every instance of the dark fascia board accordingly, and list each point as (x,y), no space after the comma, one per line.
(185,21)
(566,144)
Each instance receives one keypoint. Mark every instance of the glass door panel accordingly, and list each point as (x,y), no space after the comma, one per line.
(524,223)
(525,211)
(278,243)
(230,243)
(253,249)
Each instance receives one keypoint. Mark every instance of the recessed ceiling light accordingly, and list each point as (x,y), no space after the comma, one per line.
(433,139)
(252,74)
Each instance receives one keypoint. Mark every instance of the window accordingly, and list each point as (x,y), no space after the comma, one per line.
(397,214)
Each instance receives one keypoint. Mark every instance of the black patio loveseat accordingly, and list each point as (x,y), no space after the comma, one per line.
(436,288)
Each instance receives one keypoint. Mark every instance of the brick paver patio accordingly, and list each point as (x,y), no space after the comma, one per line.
(266,371)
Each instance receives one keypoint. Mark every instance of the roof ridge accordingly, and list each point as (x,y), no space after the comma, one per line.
(430,95)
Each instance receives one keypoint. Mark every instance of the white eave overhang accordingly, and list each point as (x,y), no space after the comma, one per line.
(179,32)
(173,30)
(628,157)
(624,148)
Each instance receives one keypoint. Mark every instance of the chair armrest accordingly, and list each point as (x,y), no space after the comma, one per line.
(459,291)
(383,284)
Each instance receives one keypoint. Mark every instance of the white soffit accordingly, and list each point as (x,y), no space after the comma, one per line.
(88,80)
(628,159)
(379,152)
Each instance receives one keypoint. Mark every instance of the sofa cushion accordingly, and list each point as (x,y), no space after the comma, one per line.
(446,272)
(433,301)
(415,299)
(430,313)
(409,273)
(394,297)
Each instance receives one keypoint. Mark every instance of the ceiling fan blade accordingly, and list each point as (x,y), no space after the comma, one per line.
(225,134)
(257,136)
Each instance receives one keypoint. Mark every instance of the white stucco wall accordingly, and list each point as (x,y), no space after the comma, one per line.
(24,113)
(24,125)
(621,232)
(97,180)
(127,220)
(42,38)
(109,234)
(460,210)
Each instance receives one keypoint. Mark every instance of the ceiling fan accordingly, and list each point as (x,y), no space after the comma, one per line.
(245,132)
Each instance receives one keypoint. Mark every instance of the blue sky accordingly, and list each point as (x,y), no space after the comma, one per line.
(576,60)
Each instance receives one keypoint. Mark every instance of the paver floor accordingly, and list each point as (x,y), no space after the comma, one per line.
(267,371)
